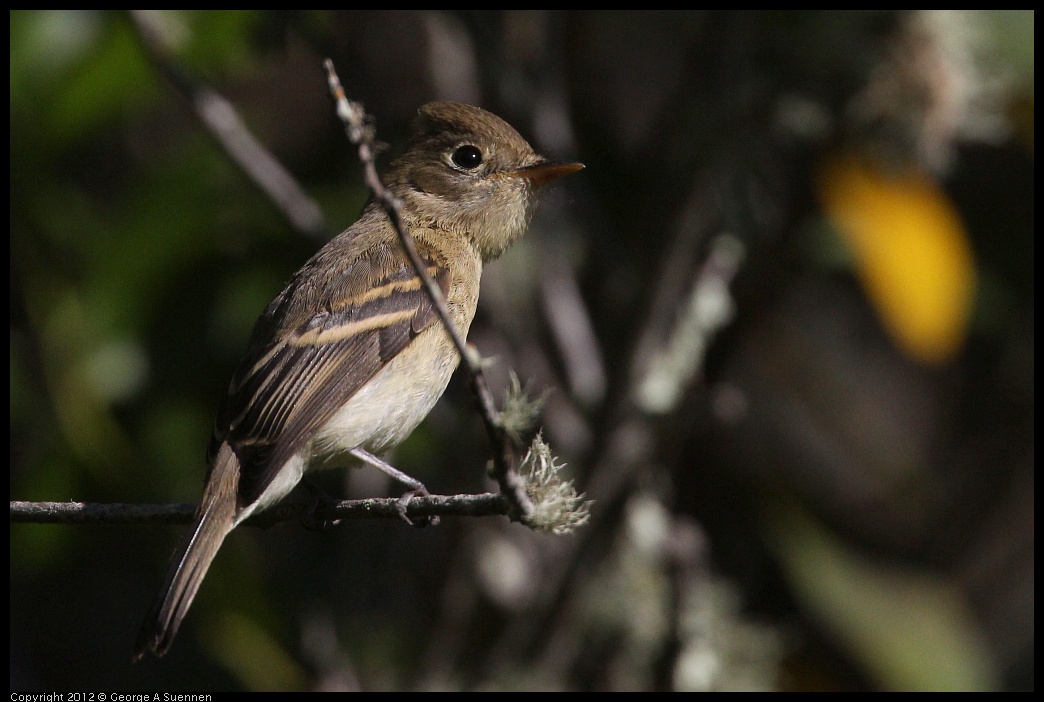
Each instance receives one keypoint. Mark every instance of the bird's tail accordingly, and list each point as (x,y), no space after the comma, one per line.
(215,518)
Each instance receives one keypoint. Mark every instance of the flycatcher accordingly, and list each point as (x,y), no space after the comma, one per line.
(351,355)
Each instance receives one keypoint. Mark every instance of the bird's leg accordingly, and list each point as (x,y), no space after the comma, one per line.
(416,487)
(319,497)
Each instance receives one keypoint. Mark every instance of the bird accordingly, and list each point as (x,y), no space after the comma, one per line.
(351,356)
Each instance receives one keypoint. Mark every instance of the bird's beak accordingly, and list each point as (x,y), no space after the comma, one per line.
(546,171)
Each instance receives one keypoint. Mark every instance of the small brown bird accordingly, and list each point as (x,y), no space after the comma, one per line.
(351,356)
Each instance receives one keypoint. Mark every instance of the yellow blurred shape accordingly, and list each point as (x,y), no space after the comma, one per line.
(911,250)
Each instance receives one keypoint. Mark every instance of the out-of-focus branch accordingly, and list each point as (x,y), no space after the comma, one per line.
(629,429)
(573,330)
(223,122)
(673,366)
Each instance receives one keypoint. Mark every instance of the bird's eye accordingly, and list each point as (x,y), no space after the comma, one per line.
(467,157)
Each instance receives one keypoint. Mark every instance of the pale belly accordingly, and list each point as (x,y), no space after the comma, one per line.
(391,405)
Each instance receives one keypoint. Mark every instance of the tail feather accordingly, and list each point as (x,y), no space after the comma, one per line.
(215,518)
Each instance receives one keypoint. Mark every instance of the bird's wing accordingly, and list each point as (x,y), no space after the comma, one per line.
(296,376)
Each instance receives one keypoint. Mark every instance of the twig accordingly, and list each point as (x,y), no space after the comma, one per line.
(481,505)
(220,118)
(573,331)
(678,356)
(505,458)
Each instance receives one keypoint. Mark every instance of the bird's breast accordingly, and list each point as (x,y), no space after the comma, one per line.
(398,398)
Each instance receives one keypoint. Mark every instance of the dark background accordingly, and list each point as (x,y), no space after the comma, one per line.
(784,320)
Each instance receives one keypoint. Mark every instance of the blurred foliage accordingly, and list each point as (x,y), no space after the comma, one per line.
(841,495)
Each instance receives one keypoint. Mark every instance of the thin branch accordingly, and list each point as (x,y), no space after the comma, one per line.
(673,365)
(480,505)
(573,330)
(361,133)
(223,122)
